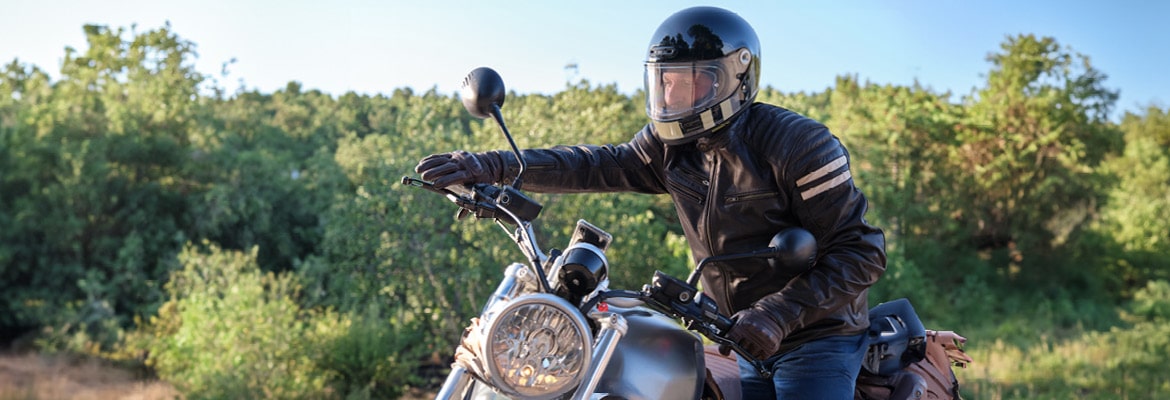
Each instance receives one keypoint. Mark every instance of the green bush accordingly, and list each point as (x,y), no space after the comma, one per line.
(367,355)
(903,279)
(1122,362)
(230,331)
(1151,304)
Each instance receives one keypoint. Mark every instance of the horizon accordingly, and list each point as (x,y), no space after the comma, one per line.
(375,48)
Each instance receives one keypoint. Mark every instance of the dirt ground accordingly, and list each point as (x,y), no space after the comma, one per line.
(35,377)
(38,377)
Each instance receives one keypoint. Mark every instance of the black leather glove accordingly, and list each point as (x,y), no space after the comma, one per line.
(460,167)
(756,332)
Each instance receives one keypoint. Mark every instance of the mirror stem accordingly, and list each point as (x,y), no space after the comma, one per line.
(499,117)
(693,279)
(761,253)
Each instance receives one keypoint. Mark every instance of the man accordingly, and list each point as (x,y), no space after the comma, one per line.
(738,172)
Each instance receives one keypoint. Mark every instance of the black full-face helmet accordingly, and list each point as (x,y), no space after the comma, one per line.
(702,69)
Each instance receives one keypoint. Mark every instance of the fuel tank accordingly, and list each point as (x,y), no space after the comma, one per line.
(656,359)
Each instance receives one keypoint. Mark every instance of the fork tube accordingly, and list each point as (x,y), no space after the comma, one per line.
(507,287)
(613,327)
(455,385)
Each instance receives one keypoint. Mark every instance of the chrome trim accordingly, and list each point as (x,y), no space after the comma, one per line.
(613,327)
(513,280)
(455,384)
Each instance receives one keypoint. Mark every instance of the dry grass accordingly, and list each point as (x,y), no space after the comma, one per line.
(32,376)
(419,394)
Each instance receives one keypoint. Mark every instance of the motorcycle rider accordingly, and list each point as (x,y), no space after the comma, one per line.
(738,172)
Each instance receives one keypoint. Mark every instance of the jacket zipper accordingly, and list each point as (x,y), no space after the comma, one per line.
(687,192)
(750,196)
(712,174)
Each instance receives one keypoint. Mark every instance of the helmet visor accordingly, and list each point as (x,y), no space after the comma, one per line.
(677,90)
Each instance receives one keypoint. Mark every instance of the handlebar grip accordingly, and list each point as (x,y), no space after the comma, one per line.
(710,314)
(723,324)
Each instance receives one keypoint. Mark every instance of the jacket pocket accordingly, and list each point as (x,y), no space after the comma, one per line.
(749,196)
(689,185)
(685,191)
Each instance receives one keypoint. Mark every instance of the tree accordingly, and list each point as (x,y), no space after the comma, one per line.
(99,197)
(1029,155)
(25,94)
(1137,216)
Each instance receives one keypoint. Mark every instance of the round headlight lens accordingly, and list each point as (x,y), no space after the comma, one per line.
(537,347)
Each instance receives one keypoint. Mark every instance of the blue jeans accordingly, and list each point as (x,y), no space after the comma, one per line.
(825,368)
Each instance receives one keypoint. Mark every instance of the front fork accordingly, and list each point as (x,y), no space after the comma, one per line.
(613,327)
(456,383)
(458,379)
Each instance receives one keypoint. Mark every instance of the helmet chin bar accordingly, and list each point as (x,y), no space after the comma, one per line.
(692,127)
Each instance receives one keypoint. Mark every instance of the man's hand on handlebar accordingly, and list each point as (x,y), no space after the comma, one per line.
(460,167)
(756,332)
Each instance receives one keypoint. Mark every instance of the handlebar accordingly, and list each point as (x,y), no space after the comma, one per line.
(677,298)
(468,201)
(666,294)
(685,301)
(505,204)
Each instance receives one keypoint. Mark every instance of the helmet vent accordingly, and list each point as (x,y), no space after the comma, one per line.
(661,51)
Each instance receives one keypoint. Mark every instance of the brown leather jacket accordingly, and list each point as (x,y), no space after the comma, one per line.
(770,169)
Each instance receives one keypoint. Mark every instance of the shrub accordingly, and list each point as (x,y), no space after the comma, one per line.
(230,331)
(367,355)
(1123,362)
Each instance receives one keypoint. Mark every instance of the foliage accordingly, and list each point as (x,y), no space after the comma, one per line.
(232,331)
(262,178)
(368,356)
(1119,363)
(1031,155)
(1136,217)
(95,204)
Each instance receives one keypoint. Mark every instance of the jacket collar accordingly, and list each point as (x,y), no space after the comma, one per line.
(719,138)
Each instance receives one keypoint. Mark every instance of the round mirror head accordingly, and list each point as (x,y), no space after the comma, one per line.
(797,249)
(482,89)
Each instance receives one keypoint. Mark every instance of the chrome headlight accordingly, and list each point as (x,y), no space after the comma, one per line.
(536,347)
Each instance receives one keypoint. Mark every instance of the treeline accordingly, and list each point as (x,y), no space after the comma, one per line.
(255,244)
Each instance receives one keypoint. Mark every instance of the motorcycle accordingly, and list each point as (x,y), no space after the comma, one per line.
(553,329)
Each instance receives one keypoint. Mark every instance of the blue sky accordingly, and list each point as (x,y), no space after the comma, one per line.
(371,47)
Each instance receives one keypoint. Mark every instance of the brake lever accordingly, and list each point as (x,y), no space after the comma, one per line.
(699,313)
(466,202)
(651,299)
(757,363)
(408,181)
